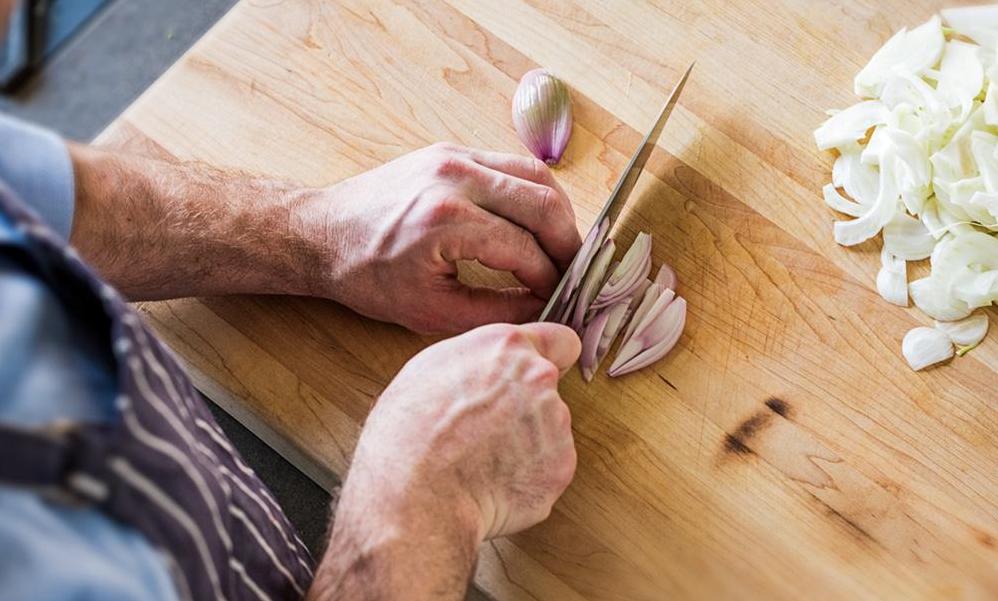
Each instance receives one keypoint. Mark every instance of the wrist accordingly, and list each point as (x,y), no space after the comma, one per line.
(270,251)
(391,540)
(313,247)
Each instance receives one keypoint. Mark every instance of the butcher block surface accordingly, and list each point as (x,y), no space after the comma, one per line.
(783,450)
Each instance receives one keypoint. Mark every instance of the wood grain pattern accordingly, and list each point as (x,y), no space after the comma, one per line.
(783,450)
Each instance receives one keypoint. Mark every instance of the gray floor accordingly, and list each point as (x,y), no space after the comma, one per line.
(107,64)
(93,78)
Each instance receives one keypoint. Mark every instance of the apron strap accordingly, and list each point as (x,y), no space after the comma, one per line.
(50,461)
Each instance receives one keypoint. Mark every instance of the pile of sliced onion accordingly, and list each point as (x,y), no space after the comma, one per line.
(918,163)
(616,299)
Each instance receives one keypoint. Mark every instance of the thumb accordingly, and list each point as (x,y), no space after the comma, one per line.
(557,343)
(472,307)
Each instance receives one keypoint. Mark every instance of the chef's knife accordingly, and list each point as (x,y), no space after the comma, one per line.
(619,195)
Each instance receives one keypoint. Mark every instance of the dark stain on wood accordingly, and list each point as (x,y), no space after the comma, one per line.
(671,385)
(735,446)
(778,407)
(859,533)
(985,539)
(855,529)
(737,442)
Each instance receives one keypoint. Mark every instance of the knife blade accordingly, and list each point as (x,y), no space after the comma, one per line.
(611,208)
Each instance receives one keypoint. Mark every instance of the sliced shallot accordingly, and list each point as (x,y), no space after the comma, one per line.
(653,339)
(590,246)
(591,283)
(628,275)
(599,336)
(667,277)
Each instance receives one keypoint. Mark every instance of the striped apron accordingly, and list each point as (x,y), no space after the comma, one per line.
(163,467)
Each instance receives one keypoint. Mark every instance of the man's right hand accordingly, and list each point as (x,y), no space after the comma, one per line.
(470,441)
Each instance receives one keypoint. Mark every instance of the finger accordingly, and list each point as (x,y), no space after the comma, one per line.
(499,244)
(470,307)
(557,343)
(524,167)
(537,208)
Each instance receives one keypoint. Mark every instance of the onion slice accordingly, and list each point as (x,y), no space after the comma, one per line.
(918,163)
(923,347)
(979,23)
(961,76)
(907,52)
(836,201)
(930,296)
(906,237)
(849,233)
(849,125)
(892,279)
(966,332)
(858,179)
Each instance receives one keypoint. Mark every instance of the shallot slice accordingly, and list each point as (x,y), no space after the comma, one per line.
(591,283)
(628,275)
(563,308)
(667,277)
(652,342)
(599,336)
(643,305)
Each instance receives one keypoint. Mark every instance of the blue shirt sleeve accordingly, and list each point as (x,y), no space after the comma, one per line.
(35,163)
(54,553)
(54,365)
(51,367)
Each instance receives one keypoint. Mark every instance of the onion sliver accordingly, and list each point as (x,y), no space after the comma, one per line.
(923,347)
(966,332)
(892,280)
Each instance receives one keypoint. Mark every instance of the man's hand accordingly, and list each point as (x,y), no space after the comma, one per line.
(384,243)
(470,441)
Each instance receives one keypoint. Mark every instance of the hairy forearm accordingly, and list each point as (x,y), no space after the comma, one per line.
(386,545)
(160,230)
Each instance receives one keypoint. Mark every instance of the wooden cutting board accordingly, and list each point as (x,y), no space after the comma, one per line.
(783,450)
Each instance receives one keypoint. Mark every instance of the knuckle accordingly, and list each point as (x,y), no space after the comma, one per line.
(510,337)
(445,209)
(524,244)
(548,205)
(543,373)
(448,163)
